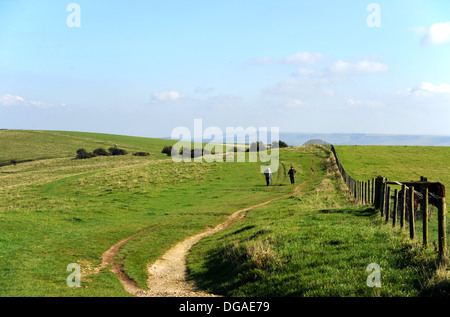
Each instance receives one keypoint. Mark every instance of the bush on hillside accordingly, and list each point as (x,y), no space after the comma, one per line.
(101,152)
(83,154)
(117,151)
(279,144)
(141,154)
(256,147)
(167,150)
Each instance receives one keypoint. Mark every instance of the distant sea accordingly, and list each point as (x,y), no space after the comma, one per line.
(366,139)
(298,139)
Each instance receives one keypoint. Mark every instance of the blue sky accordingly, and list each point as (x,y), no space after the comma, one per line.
(146,67)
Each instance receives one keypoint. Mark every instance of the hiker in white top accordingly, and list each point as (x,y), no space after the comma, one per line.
(268,174)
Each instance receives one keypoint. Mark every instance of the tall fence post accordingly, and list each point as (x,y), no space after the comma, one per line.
(365,193)
(395,211)
(378,188)
(372,198)
(382,198)
(424,207)
(388,203)
(441,227)
(403,207)
(411,212)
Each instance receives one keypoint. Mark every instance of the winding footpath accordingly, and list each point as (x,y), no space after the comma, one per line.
(168,275)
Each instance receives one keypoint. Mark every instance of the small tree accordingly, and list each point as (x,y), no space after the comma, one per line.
(83,154)
(101,152)
(116,151)
(279,144)
(256,147)
(167,150)
(141,154)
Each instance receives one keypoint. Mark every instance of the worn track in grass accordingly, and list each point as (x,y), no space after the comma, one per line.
(168,275)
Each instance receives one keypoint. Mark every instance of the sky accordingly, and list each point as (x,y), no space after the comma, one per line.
(144,68)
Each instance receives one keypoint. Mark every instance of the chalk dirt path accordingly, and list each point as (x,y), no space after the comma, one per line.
(168,275)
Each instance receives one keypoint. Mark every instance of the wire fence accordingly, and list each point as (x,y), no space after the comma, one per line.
(402,203)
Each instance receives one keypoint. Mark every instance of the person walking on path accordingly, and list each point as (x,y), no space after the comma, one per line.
(268,174)
(291,173)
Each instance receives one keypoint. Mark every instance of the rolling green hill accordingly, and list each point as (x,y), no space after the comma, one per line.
(25,145)
(56,210)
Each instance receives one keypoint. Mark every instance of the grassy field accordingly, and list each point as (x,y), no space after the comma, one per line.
(37,145)
(402,164)
(56,210)
(397,163)
(316,243)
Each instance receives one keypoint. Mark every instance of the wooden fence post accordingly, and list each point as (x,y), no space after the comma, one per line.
(395,212)
(403,207)
(382,197)
(378,190)
(411,212)
(388,203)
(373,191)
(365,193)
(424,207)
(441,227)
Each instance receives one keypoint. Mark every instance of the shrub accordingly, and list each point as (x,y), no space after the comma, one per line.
(101,152)
(256,147)
(167,150)
(117,151)
(83,154)
(279,144)
(141,154)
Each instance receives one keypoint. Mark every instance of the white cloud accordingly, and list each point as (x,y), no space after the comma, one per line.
(10,100)
(353,102)
(361,67)
(304,57)
(428,89)
(437,34)
(296,103)
(166,96)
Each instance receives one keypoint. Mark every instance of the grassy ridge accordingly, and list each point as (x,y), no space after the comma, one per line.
(36,145)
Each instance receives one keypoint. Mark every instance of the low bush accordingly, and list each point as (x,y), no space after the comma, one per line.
(167,150)
(141,154)
(101,152)
(83,154)
(117,151)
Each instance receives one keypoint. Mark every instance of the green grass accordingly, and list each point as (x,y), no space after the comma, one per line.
(402,164)
(397,163)
(58,211)
(37,145)
(316,243)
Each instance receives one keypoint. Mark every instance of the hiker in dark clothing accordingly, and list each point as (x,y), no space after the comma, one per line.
(291,173)
(268,174)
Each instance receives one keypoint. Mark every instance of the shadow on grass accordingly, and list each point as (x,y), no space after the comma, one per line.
(356,211)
